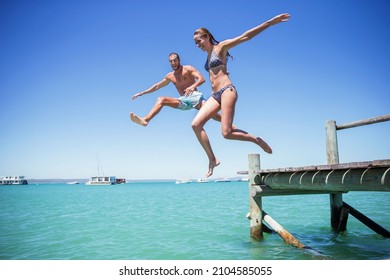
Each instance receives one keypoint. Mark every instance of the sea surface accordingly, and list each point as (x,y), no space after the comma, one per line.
(168,221)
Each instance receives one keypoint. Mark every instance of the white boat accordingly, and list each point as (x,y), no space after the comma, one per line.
(202,180)
(73,183)
(101,180)
(13,180)
(183,181)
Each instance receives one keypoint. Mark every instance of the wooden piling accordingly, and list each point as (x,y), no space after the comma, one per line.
(255,206)
(332,155)
(284,234)
(367,221)
(332,152)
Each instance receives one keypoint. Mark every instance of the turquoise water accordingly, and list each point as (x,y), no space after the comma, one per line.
(165,221)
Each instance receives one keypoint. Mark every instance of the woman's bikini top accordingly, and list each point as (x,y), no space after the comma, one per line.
(214,61)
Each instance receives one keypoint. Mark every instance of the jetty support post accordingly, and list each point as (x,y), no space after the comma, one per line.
(284,234)
(367,221)
(255,214)
(332,155)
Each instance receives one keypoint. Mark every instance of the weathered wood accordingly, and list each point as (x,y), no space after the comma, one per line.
(266,228)
(333,178)
(287,237)
(264,190)
(383,118)
(255,207)
(335,210)
(349,165)
(332,156)
(343,219)
(367,221)
(332,152)
(331,181)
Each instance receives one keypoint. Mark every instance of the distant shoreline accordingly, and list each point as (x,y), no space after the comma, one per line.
(83,181)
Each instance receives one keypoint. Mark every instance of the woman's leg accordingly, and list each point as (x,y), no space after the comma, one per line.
(228,103)
(207,111)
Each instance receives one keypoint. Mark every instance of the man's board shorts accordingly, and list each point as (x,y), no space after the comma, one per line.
(190,101)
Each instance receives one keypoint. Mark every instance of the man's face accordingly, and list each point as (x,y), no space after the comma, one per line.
(174,61)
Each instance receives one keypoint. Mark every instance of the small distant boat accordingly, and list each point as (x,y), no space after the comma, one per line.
(183,181)
(73,183)
(222,180)
(13,180)
(202,180)
(101,180)
(121,181)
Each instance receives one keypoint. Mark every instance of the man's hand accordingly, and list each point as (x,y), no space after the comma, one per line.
(188,91)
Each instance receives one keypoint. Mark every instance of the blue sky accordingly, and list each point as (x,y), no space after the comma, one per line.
(69,68)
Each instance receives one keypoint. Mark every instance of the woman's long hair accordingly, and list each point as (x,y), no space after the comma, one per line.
(203,32)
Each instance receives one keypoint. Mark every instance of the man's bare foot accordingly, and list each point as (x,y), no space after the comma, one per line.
(211,168)
(138,120)
(264,145)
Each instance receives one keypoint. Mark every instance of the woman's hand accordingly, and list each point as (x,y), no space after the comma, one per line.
(136,95)
(279,18)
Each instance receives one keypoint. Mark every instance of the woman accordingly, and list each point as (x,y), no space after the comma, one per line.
(224,96)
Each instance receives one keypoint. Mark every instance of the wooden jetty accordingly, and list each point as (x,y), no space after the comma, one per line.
(333,179)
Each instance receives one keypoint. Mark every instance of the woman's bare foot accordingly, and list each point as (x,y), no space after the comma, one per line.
(264,145)
(138,120)
(211,168)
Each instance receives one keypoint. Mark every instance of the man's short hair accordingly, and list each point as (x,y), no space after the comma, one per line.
(173,53)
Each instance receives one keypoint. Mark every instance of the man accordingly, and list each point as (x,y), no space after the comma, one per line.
(186,80)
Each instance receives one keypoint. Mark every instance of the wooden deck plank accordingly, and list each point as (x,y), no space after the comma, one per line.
(351,165)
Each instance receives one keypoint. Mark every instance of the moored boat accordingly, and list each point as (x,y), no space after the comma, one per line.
(202,180)
(101,180)
(13,180)
(183,181)
(73,183)
(121,181)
